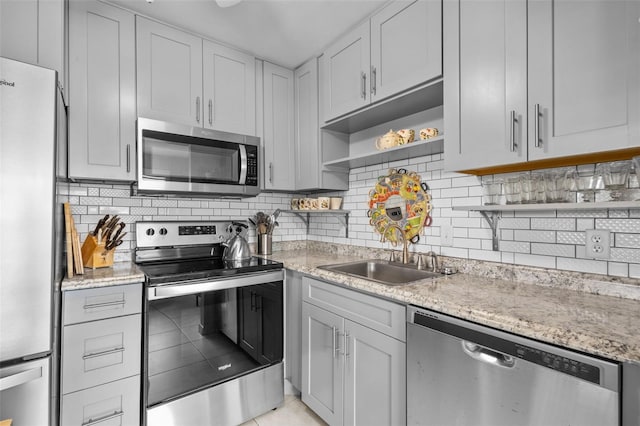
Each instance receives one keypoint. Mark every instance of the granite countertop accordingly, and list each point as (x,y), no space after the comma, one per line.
(118,274)
(597,324)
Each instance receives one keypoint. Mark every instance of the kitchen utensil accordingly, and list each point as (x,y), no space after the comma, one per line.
(99,224)
(265,242)
(614,176)
(558,184)
(492,192)
(512,190)
(237,248)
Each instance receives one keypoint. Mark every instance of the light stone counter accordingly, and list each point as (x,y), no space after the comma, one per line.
(562,315)
(118,274)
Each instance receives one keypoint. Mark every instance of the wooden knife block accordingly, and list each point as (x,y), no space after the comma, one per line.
(94,255)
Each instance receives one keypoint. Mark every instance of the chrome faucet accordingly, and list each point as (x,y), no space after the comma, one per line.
(435,267)
(405,247)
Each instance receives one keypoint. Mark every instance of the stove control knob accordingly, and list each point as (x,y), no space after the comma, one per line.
(150,232)
(163,231)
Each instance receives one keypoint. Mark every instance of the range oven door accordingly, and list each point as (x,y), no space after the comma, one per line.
(199,335)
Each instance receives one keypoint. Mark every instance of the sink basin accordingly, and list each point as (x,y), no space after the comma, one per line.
(382,271)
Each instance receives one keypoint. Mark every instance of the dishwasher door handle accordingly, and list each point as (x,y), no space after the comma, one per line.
(487,355)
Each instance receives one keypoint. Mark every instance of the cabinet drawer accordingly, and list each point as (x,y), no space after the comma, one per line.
(99,303)
(116,403)
(100,351)
(379,314)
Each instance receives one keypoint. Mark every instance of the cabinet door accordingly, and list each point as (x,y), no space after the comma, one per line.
(169,71)
(279,147)
(229,89)
(308,160)
(406,46)
(485,89)
(102,112)
(322,363)
(293,328)
(375,378)
(32,31)
(19,30)
(584,79)
(346,73)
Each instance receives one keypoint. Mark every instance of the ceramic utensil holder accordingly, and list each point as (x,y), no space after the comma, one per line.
(94,255)
(265,242)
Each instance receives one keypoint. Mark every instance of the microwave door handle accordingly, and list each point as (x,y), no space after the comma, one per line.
(243,164)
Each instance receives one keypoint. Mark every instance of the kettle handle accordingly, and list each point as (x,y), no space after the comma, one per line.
(244,225)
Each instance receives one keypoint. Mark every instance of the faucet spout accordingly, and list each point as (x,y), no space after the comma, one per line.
(405,243)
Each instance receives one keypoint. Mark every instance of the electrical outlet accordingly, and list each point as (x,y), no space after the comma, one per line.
(598,243)
(446,233)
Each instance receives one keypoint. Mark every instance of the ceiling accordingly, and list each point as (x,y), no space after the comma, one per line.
(285,32)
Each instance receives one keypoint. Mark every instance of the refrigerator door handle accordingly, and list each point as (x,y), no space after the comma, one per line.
(20,378)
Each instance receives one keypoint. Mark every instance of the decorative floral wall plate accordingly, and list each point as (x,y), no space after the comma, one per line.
(399,206)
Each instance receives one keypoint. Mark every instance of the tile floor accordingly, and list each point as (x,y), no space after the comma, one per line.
(292,413)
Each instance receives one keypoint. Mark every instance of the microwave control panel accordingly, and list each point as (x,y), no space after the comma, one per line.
(252,165)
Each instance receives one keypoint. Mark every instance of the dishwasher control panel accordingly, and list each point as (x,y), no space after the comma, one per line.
(566,365)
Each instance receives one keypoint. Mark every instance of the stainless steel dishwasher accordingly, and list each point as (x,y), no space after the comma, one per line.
(460,373)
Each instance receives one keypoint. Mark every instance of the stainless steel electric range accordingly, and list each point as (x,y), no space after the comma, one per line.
(214,329)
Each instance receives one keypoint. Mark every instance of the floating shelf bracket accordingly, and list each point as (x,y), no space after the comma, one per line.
(493,224)
(341,215)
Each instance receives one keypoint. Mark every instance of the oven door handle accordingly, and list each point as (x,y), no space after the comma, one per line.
(190,287)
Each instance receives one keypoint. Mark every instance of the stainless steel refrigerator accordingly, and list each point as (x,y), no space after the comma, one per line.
(28,98)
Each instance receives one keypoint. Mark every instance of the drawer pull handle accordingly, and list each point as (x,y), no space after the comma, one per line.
(103,418)
(103,305)
(103,353)
(20,378)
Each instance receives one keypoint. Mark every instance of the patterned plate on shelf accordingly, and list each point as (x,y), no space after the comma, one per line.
(399,206)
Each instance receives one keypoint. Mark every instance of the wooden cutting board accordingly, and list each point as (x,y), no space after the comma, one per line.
(74,255)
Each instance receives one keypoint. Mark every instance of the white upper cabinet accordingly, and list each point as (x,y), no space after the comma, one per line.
(185,79)
(539,80)
(399,48)
(169,70)
(32,31)
(406,46)
(346,71)
(485,105)
(229,89)
(102,105)
(279,144)
(584,76)
(307,142)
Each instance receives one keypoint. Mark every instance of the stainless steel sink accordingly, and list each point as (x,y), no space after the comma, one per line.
(382,271)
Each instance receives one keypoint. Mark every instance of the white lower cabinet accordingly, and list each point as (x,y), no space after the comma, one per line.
(115,403)
(352,374)
(101,356)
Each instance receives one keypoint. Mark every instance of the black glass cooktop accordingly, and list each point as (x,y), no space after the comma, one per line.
(163,273)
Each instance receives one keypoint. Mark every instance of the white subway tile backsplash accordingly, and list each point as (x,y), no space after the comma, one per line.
(583,265)
(618,269)
(564,224)
(534,260)
(515,246)
(629,226)
(575,238)
(560,250)
(547,238)
(515,223)
(535,236)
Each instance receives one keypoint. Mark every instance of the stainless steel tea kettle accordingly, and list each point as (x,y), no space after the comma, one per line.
(236,248)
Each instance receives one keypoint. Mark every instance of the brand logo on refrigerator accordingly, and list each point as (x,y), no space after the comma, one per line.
(4,82)
(224,367)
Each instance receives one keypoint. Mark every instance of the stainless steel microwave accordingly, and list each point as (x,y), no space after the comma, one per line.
(191,161)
